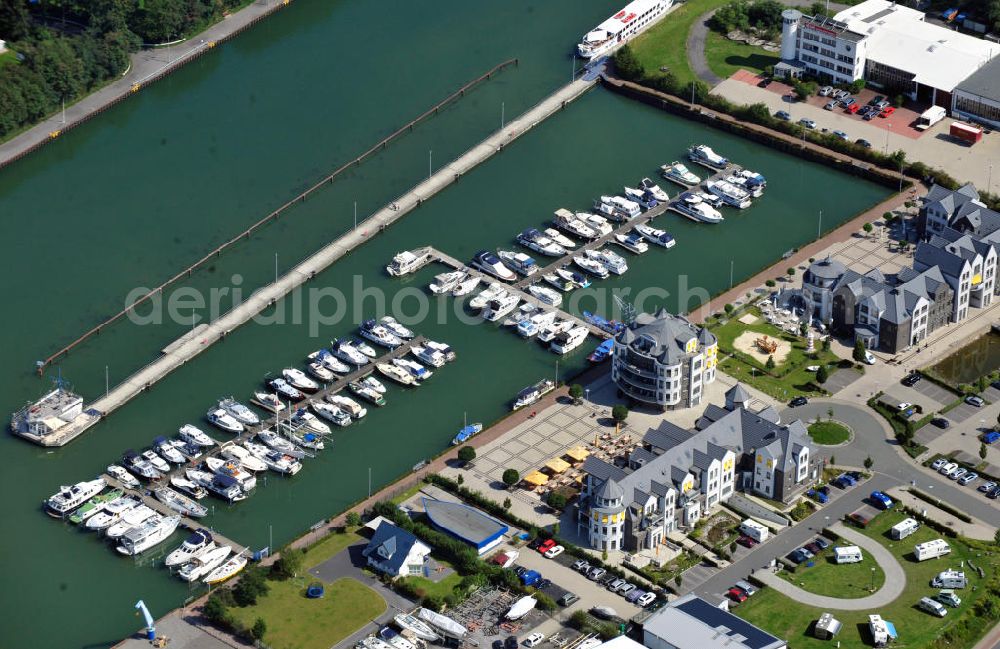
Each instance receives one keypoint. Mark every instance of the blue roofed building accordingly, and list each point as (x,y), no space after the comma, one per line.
(465,523)
(396,552)
(692,623)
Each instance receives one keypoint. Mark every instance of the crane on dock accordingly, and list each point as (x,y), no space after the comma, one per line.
(150,626)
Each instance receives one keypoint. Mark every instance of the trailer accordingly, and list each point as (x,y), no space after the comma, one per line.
(903,529)
(754,530)
(930,117)
(848,554)
(931,549)
(968,134)
(950,579)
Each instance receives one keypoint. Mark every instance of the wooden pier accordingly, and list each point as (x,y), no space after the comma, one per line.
(193,343)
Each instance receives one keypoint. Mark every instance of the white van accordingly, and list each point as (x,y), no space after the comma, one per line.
(931,549)
(754,530)
(848,554)
(904,528)
(932,607)
(950,579)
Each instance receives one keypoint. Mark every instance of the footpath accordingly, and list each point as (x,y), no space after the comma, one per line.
(146,66)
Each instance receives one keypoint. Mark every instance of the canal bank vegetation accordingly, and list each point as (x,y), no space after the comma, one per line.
(59,55)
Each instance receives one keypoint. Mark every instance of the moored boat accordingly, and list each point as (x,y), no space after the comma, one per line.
(330,362)
(692,206)
(267,401)
(121,475)
(678,173)
(179,502)
(568,222)
(348,405)
(545,295)
(95,505)
(304,421)
(487,294)
(140,466)
(592,266)
(396,373)
(298,379)
(427,355)
(419,628)
(518,262)
(567,341)
(275,460)
(602,352)
(613,262)
(540,243)
(417,370)
(466,433)
(490,264)
(201,565)
(187,487)
(704,155)
(330,412)
(406,262)
(166,449)
(232,469)
(228,569)
(239,453)
(367,393)
(111,513)
(632,242)
(196,544)
(532,394)
(500,306)
(445,282)
(579,280)
(559,238)
(151,533)
(346,351)
(242,413)
(729,193)
(396,328)
(654,235)
(223,420)
(379,334)
(466,286)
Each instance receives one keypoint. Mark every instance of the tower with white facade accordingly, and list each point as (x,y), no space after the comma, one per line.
(789,32)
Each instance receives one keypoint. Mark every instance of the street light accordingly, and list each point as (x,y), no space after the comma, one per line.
(873,580)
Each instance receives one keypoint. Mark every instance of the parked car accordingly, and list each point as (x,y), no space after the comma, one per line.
(849,101)
(869,357)
(876,100)
(626,589)
(957,473)
(993,493)
(765,82)
(825,91)
(634,595)
(948,596)
(746,587)
(646,599)
(973,400)
(840,94)
(831,105)
(554,552)
(596,573)
(746,541)
(798,401)
(511,642)
(911,379)
(881,500)
(808,123)
(781,114)
(906,405)
(812,547)
(568,599)
(546,545)
(822,543)
(581,565)
(818,496)
(888,110)
(990,437)
(533,639)
(948,468)
(968,478)
(938,463)
(941,422)
(498,644)
(617,583)
(852,107)
(863,142)
(737,595)
(883,105)
(520,570)
(987,486)
(544,583)
(841,135)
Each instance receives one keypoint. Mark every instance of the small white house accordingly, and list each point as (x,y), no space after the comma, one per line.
(396,552)
(754,530)
(904,528)
(931,549)
(848,554)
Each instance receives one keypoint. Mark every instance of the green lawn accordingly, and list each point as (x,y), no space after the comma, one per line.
(726,57)
(789,379)
(8,57)
(441,588)
(664,44)
(297,622)
(330,546)
(828,578)
(793,622)
(829,433)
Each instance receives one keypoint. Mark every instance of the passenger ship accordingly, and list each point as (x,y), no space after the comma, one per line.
(632,20)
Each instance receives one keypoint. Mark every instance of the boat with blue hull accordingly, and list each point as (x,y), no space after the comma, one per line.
(467,433)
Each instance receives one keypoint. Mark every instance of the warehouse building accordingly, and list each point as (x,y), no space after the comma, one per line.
(692,623)
(465,523)
(977,99)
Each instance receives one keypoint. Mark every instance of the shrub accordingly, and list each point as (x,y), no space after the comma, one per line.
(467,454)
(822,374)
(215,608)
(545,602)
(288,564)
(769,283)
(576,391)
(259,629)
(510,477)
(353,519)
(556,500)
(251,586)
(433,602)
(859,351)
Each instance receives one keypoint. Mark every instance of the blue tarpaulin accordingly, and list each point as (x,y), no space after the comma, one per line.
(891,629)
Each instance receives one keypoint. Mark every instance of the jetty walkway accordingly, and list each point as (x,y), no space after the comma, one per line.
(201,337)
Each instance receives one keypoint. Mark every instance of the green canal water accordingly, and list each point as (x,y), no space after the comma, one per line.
(967,364)
(153,184)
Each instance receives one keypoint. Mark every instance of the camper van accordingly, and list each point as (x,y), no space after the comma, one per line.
(904,528)
(879,630)
(931,606)
(848,554)
(931,549)
(950,579)
(754,530)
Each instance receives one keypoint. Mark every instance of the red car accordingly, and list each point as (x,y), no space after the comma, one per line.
(546,545)
(746,541)
(737,595)
(888,110)
(853,108)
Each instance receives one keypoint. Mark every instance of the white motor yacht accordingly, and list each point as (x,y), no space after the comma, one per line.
(711,199)
(418,371)
(595,222)
(373,383)
(567,341)
(613,262)
(158,462)
(561,284)
(532,394)
(189,450)
(222,419)
(364,348)
(69,498)
(500,306)
(275,460)
(704,155)
(535,240)
(559,238)
(406,262)
(396,328)
(304,421)
(379,334)
(278,443)
(654,190)
(417,627)
(187,487)
(238,453)
(568,222)
(179,502)
(267,401)
(330,361)
(644,199)
(653,235)
(427,355)
(232,469)
(298,379)
(623,209)
(693,207)
(151,533)
(591,266)
(466,286)
(140,466)
(367,393)
(445,282)
(444,348)
(533,324)
(545,295)
(165,449)
(111,514)
(224,486)
(518,262)
(396,373)
(347,352)
(201,565)
(487,294)
(490,264)
(198,543)
(127,480)
(739,181)
(332,413)
(242,414)
(319,372)
(579,280)
(550,331)
(729,193)
(132,518)
(632,242)
(348,405)
(677,172)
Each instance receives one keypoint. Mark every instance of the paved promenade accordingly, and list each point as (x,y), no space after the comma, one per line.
(146,66)
(895,578)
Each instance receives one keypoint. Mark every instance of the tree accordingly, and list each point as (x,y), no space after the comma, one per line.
(251,586)
(867,227)
(982,451)
(459,479)
(857,86)
(511,477)
(790,271)
(353,519)
(619,413)
(576,392)
(859,351)
(678,580)
(215,608)
(506,503)
(628,65)
(467,454)
(869,462)
(556,500)
(769,283)
(825,345)
(803,328)
(259,629)
(822,374)
(833,460)
(996,537)
(769,364)
(288,564)
(728,309)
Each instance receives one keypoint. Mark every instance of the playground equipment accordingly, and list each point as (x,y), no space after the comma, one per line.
(766,345)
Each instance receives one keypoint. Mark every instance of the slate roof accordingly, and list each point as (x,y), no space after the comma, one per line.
(983,82)
(663,336)
(390,546)
(828,268)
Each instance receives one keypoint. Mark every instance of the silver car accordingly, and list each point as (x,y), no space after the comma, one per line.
(968,477)
(956,474)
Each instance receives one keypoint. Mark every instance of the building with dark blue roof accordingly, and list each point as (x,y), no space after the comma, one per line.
(396,552)
(692,623)
(465,523)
